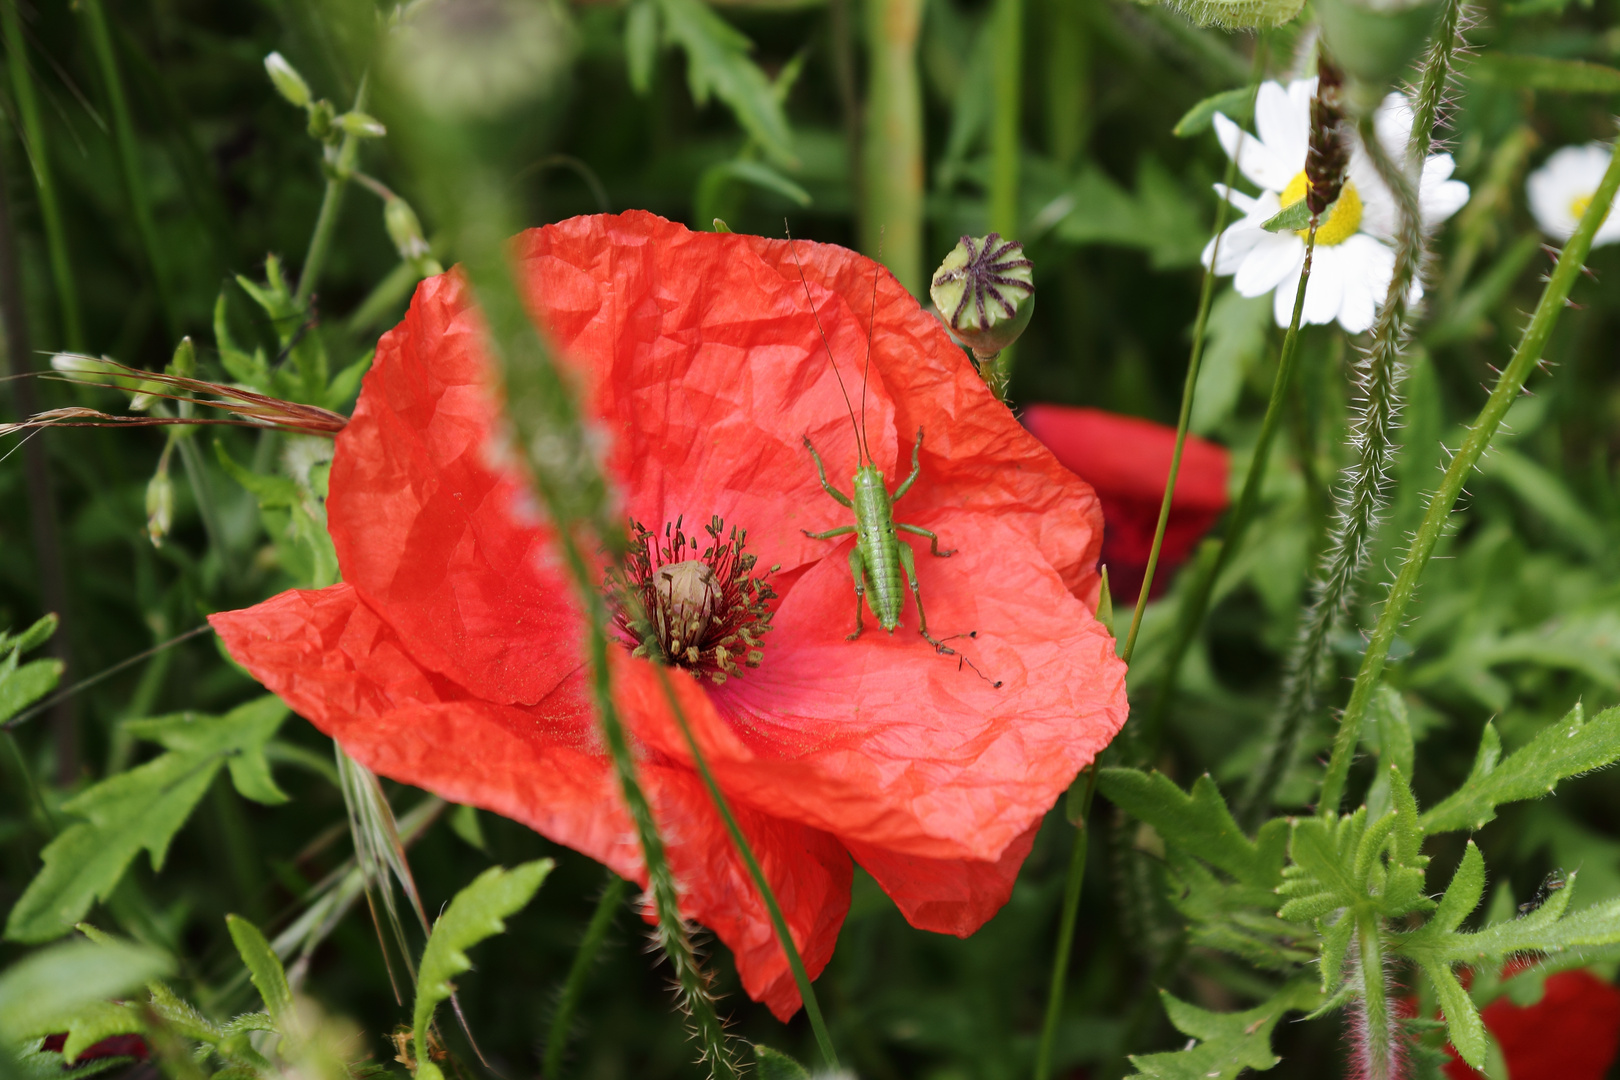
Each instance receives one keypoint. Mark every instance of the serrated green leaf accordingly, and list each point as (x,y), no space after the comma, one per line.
(1462,895)
(1463,1024)
(268,976)
(183,1017)
(23,685)
(1334,944)
(1199,823)
(1236,105)
(717,62)
(1235,918)
(96,1021)
(1566,749)
(1546,73)
(775,1065)
(139,809)
(477,912)
(1228,1043)
(39,993)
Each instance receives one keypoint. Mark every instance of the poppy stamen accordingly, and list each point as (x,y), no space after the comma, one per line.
(703,610)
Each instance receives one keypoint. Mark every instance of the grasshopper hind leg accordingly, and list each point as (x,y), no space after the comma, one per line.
(908,562)
(857,571)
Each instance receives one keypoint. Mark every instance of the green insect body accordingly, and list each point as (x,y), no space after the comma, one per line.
(878,559)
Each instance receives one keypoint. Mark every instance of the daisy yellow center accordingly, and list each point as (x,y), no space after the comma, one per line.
(1343,220)
(1578,207)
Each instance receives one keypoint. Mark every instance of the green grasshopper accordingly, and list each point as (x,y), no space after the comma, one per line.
(878,558)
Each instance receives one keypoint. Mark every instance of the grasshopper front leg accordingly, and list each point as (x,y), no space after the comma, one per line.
(821,471)
(916,469)
(909,563)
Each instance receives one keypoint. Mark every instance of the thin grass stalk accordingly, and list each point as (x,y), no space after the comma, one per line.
(39,158)
(1007,70)
(337,184)
(1508,387)
(784,936)
(613,896)
(140,206)
(1361,496)
(1210,566)
(1074,881)
(892,213)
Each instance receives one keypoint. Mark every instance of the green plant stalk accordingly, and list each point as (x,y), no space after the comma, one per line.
(1361,498)
(22,82)
(1007,64)
(1381,1053)
(1484,428)
(596,932)
(1075,880)
(129,158)
(1209,568)
(892,217)
(337,184)
(784,936)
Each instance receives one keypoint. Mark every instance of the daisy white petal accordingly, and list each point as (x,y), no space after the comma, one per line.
(1562,188)
(1272,260)
(1283,120)
(1324,293)
(1254,160)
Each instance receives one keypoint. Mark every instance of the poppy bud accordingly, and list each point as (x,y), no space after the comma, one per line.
(289,84)
(160,502)
(1329,155)
(985,291)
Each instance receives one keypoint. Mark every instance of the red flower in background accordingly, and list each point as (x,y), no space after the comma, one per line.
(1127,461)
(451,655)
(1572,1033)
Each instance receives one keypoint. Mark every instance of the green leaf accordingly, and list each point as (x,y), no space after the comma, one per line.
(1546,73)
(21,686)
(1236,918)
(775,1065)
(464,823)
(96,1021)
(641,44)
(141,808)
(36,635)
(1233,14)
(1568,748)
(1227,1043)
(39,993)
(1198,823)
(1390,736)
(1234,342)
(1462,895)
(765,178)
(268,976)
(1463,1024)
(1292,218)
(477,912)
(717,62)
(1235,105)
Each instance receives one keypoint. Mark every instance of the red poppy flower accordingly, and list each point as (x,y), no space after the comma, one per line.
(1572,1033)
(451,656)
(1127,461)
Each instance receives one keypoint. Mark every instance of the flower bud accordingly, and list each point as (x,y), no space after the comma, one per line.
(184,361)
(289,84)
(406,232)
(985,291)
(160,501)
(322,121)
(361,126)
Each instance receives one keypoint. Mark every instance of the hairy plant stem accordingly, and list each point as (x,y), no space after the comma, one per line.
(140,206)
(1379,1048)
(596,932)
(1480,432)
(784,936)
(892,156)
(1075,879)
(1360,497)
(338,173)
(33,131)
(1213,559)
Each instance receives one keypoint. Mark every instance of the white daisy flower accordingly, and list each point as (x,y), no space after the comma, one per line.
(1355,253)
(1562,189)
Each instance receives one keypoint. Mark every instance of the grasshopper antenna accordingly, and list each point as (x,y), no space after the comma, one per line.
(860,433)
(871,322)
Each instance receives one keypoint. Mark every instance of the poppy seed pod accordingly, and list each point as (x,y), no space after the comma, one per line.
(985,291)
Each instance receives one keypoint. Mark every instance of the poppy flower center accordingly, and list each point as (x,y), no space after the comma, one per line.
(1343,220)
(692,602)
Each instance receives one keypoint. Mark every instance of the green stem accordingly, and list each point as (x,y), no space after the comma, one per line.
(1381,1052)
(1007,69)
(1480,433)
(1209,567)
(67,290)
(1075,879)
(784,936)
(574,985)
(337,183)
(129,157)
(892,219)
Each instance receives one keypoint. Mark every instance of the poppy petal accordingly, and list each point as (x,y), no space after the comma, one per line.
(329,656)
(947,896)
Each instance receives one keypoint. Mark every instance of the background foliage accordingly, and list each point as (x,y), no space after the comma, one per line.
(157,187)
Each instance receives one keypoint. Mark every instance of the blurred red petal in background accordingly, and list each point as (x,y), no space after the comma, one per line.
(1127,460)
(1572,1033)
